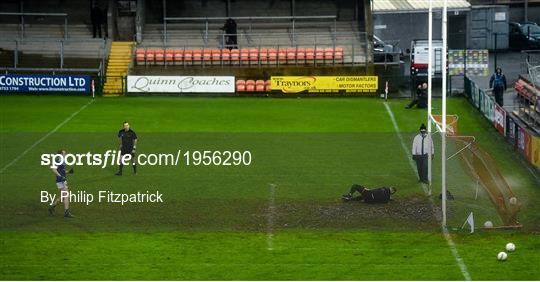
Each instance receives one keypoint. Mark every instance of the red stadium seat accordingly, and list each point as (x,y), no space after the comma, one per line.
(263,55)
(272,56)
(310,55)
(319,55)
(207,56)
(169,56)
(338,54)
(178,56)
(225,56)
(291,55)
(282,56)
(329,55)
(259,85)
(301,55)
(160,56)
(197,56)
(216,56)
(253,55)
(250,88)
(250,82)
(150,56)
(268,85)
(244,56)
(259,88)
(241,87)
(188,56)
(235,56)
(140,56)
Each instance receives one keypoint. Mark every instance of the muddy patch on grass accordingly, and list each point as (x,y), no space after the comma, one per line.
(409,213)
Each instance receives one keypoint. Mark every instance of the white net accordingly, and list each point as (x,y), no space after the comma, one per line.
(473,180)
(533,68)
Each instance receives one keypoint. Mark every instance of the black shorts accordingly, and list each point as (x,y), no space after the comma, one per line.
(126,151)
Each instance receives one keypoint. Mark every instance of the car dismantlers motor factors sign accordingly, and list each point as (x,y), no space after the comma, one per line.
(180,84)
(44,83)
(295,84)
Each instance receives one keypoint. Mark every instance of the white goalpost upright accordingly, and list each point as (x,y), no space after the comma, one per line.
(443,94)
(430,119)
(430,69)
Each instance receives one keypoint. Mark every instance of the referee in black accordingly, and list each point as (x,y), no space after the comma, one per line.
(128,144)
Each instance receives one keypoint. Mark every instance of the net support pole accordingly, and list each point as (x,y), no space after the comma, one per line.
(443,94)
(430,69)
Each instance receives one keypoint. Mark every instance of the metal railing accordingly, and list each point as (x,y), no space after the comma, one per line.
(22,21)
(18,47)
(207,20)
(256,39)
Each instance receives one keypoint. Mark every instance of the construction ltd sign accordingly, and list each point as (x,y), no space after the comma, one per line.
(296,84)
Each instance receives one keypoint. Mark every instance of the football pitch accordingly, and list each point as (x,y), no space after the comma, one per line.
(280,217)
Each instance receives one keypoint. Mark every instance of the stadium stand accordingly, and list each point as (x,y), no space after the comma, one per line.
(59,39)
(48,45)
(258,44)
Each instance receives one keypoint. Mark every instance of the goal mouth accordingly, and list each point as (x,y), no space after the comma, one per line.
(480,168)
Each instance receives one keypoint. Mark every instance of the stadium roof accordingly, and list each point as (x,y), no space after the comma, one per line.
(416,6)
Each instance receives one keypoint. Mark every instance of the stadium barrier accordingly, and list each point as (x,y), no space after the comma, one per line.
(289,20)
(518,134)
(22,16)
(61,47)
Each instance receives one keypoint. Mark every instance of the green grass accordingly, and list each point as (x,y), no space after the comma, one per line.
(216,221)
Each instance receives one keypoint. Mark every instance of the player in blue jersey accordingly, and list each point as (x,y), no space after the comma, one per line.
(62,185)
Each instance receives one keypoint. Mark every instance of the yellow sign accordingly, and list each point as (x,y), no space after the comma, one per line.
(295,84)
(535,151)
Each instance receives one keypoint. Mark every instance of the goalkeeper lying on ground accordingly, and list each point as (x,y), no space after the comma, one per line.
(376,195)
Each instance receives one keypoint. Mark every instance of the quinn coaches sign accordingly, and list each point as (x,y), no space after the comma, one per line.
(180,84)
(44,83)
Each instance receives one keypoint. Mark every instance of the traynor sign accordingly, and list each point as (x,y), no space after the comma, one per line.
(180,84)
(295,84)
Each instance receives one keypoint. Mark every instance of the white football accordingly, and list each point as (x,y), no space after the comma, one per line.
(510,247)
(513,200)
(488,224)
(502,256)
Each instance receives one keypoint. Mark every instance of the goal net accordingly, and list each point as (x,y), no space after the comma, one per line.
(473,180)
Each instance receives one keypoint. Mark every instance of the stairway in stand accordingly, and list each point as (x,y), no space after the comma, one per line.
(117,68)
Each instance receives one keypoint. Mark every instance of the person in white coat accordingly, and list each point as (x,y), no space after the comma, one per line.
(421,150)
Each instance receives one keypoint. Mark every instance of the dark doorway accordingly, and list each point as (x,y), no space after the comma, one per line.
(457,31)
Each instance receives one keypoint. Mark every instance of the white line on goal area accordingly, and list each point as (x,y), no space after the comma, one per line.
(45,136)
(270,217)
(445,232)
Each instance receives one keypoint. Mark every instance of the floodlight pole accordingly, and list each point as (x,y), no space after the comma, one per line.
(430,58)
(443,145)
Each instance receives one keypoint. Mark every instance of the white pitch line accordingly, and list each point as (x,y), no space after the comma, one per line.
(45,137)
(270,218)
(445,232)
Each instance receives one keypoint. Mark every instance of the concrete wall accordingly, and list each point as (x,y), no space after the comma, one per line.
(409,26)
(517,14)
(405,27)
(344,9)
